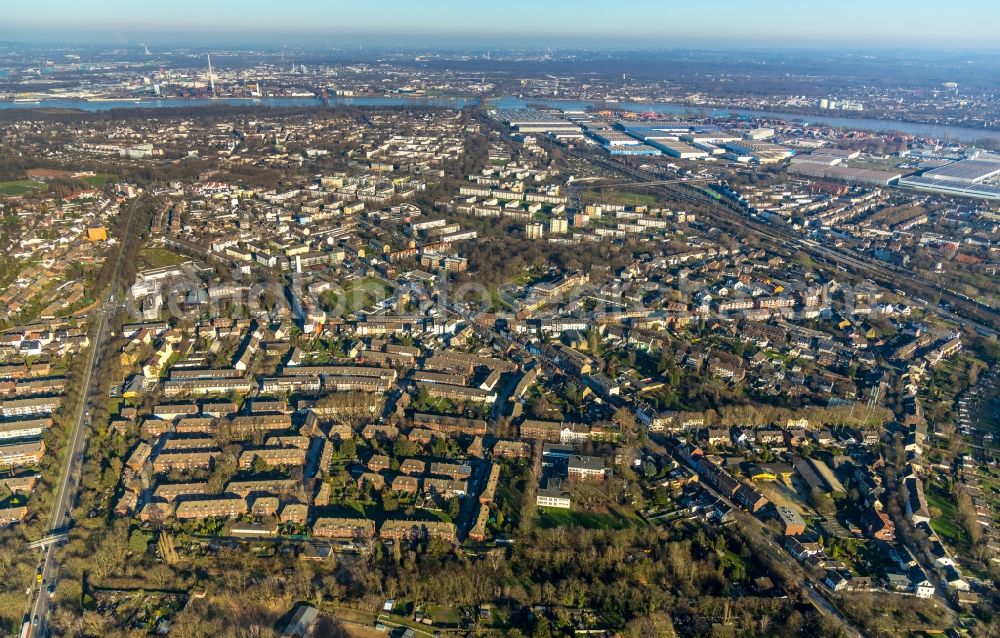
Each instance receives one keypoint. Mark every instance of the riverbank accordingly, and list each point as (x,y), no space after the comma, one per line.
(874,125)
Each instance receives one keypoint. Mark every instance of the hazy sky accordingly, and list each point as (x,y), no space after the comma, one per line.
(584,23)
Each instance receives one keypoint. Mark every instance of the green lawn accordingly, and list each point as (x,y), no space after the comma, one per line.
(498,304)
(734,566)
(528,277)
(445,615)
(20,187)
(99,179)
(435,405)
(510,498)
(619,198)
(557,517)
(115,405)
(946,526)
(356,295)
(152,257)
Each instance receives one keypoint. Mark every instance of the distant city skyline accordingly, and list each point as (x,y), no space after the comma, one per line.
(555,23)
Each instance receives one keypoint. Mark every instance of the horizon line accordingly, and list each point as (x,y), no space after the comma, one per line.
(375,41)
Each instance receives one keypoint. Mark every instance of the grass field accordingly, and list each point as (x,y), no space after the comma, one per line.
(151,257)
(444,614)
(946,525)
(528,277)
(355,295)
(498,304)
(436,405)
(619,198)
(98,179)
(115,405)
(20,187)
(735,567)
(510,498)
(557,517)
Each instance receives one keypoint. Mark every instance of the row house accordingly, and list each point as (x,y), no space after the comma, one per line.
(204,387)
(750,499)
(378,463)
(451,470)
(221,507)
(343,528)
(265,506)
(417,530)
(449,424)
(23,429)
(166,462)
(297,513)
(196,425)
(444,487)
(29,406)
(187,444)
(457,392)
(406,484)
(257,487)
(247,426)
(413,467)
(361,384)
(22,454)
(290,384)
(172,412)
(503,449)
(137,459)
(273,457)
(170,492)
(490,488)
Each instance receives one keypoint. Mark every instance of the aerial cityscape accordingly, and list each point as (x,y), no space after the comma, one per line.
(547,319)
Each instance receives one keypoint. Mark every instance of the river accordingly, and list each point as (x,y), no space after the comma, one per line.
(916,129)
(939,131)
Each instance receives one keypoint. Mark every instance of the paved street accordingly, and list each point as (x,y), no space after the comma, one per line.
(69,480)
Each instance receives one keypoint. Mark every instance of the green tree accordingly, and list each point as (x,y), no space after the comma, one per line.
(543,629)
(138,542)
(403,447)
(348,449)
(441,447)
(259,465)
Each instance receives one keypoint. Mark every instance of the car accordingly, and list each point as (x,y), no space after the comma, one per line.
(34,621)
(51,591)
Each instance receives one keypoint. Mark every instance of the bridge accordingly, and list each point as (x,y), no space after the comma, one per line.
(48,540)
